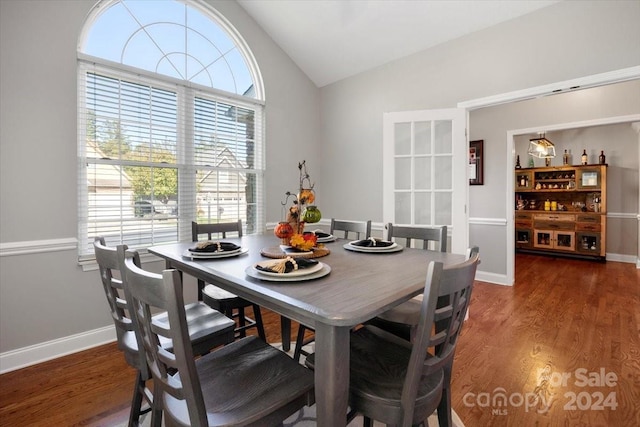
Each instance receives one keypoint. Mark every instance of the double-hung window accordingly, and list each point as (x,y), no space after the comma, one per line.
(170,131)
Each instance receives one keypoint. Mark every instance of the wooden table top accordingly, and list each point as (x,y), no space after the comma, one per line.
(359,287)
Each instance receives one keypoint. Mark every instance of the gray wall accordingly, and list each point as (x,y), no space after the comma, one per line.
(47,296)
(338,129)
(579,39)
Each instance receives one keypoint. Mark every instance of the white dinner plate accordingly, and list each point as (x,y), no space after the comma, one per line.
(214,255)
(257,274)
(292,252)
(373,248)
(393,248)
(294,273)
(327,239)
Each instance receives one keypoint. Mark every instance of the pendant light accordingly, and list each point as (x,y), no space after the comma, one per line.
(541,147)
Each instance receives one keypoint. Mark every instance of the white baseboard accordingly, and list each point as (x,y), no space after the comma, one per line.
(631,259)
(38,353)
(498,279)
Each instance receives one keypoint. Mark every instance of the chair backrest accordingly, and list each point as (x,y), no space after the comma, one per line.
(107,259)
(220,228)
(362,229)
(472,251)
(447,294)
(150,292)
(434,237)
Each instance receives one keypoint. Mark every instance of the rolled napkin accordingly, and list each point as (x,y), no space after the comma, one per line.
(287,265)
(210,246)
(372,243)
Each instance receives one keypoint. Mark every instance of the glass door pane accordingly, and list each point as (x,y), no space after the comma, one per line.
(425,183)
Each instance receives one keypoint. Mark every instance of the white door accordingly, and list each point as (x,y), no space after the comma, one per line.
(425,171)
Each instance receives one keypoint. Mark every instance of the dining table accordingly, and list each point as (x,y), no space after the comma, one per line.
(351,288)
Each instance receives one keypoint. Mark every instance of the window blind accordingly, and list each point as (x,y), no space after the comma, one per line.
(154,156)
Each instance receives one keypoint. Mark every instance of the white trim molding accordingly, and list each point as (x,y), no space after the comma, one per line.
(488,221)
(38,353)
(38,246)
(623,215)
(601,79)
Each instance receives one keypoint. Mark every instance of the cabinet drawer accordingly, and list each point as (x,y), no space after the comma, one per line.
(523,223)
(555,225)
(555,217)
(523,215)
(592,219)
(581,226)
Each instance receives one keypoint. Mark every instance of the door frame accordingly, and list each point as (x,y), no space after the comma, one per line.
(602,79)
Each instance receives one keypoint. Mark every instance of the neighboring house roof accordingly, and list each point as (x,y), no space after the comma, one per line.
(104,176)
(224,159)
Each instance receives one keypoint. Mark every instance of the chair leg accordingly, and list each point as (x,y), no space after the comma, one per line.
(285,333)
(444,409)
(299,343)
(136,401)
(156,412)
(257,316)
(242,320)
(201,285)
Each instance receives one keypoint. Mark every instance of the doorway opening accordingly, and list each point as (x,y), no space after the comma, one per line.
(618,76)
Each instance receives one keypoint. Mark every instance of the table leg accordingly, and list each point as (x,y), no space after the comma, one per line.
(331,375)
(285,333)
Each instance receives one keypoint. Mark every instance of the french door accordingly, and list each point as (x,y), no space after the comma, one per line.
(425,176)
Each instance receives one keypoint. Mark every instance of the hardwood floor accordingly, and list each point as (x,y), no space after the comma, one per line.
(536,345)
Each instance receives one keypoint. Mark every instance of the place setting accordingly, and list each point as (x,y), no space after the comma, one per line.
(289,269)
(213,250)
(322,237)
(373,245)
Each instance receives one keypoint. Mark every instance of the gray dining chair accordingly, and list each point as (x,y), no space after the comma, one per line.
(432,237)
(400,383)
(207,327)
(214,296)
(402,319)
(361,230)
(247,382)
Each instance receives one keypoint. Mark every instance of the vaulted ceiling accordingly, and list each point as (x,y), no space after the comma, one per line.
(334,39)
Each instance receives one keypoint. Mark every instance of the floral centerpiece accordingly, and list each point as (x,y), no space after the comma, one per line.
(302,210)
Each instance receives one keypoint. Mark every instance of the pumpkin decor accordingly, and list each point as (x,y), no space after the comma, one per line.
(283,230)
(306,196)
(302,210)
(311,214)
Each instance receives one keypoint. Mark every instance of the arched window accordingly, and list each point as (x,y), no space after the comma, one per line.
(170,114)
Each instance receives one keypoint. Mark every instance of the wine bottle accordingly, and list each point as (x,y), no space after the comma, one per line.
(602,158)
(585,158)
(518,162)
(565,158)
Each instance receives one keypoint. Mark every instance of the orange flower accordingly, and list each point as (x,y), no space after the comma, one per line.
(303,241)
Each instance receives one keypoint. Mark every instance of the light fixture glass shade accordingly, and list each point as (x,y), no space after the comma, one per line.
(542,148)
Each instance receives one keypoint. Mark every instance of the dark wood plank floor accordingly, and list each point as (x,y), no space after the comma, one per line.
(530,355)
